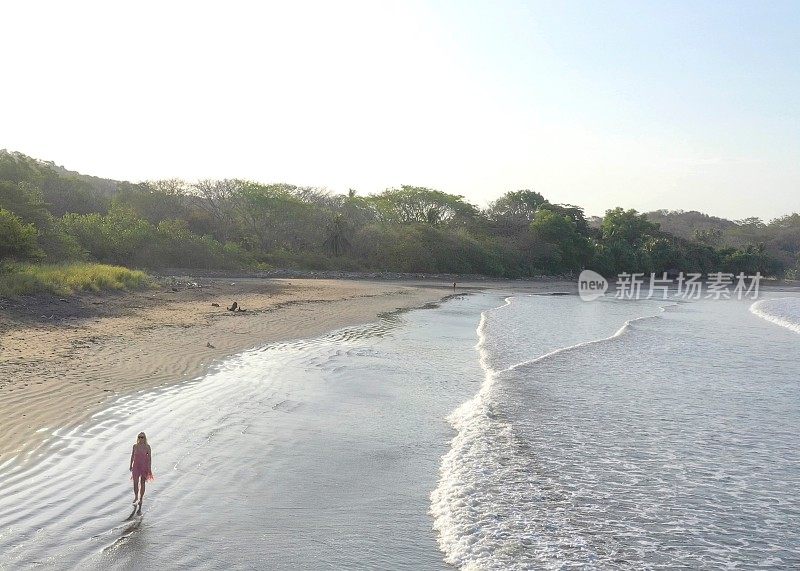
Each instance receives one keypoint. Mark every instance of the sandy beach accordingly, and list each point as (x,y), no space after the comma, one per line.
(318,452)
(62,359)
(379,444)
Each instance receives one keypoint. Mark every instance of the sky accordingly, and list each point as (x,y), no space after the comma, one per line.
(646,105)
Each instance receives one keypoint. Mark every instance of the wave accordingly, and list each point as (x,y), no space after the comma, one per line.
(784,311)
(485,478)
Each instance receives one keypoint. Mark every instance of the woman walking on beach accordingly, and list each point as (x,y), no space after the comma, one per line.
(141,459)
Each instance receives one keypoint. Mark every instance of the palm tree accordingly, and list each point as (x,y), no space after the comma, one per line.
(337,241)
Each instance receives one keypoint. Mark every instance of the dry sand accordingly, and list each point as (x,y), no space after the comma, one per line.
(61,360)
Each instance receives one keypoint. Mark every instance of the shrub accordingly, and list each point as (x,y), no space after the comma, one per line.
(17,239)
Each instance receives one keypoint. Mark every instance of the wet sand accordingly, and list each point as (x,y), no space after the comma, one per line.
(308,454)
(63,360)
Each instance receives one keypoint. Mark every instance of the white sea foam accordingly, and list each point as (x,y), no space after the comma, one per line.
(486,479)
(597,455)
(784,311)
(457,499)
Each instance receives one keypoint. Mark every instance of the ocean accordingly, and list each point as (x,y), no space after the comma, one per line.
(495,431)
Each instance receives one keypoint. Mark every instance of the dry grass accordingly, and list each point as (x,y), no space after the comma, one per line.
(64,279)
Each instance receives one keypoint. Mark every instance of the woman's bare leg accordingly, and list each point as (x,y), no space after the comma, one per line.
(135,489)
(141,486)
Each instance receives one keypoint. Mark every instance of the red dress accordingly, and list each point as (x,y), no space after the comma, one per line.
(141,463)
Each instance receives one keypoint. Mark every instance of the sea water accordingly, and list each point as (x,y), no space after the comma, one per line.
(670,443)
(492,432)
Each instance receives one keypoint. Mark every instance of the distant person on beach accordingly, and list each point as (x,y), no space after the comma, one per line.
(141,459)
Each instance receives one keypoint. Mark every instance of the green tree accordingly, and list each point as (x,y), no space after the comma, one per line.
(751,259)
(516,208)
(625,242)
(628,225)
(415,204)
(574,213)
(26,201)
(119,237)
(337,240)
(568,250)
(273,216)
(17,239)
(155,200)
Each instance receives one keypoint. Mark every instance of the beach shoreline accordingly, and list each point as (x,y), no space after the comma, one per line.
(64,359)
(331,440)
(342,427)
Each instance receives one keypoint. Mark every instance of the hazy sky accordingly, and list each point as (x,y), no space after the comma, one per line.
(691,105)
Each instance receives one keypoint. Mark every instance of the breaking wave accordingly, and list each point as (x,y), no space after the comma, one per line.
(783,311)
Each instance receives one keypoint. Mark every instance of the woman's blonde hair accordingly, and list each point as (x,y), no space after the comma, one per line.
(143,437)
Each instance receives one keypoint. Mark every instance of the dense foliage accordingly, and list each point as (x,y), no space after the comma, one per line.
(51,214)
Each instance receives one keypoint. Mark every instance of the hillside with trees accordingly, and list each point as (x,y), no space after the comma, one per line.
(49,214)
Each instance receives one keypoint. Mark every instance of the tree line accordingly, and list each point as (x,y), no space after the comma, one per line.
(50,214)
